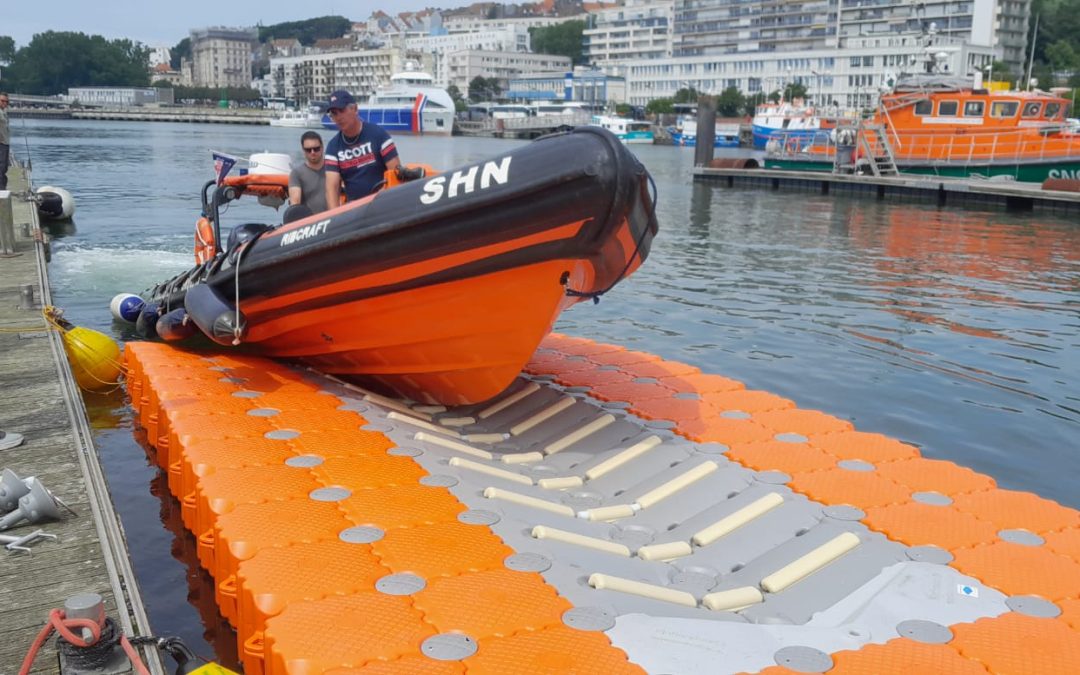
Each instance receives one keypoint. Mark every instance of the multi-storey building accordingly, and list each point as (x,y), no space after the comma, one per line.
(710,27)
(463,66)
(850,77)
(640,29)
(470,23)
(221,57)
(508,40)
(313,77)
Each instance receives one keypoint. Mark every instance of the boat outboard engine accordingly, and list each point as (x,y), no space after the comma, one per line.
(245,232)
(215,316)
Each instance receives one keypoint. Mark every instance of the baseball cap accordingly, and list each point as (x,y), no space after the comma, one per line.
(340,99)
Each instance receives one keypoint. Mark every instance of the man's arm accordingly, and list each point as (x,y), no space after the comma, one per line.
(393,164)
(296,195)
(333,189)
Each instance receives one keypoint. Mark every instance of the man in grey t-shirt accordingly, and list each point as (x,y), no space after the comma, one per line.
(307,181)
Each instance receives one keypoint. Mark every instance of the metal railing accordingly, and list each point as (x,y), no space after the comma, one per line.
(928,148)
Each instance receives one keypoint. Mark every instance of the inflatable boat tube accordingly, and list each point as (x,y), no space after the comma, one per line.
(172,327)
(215,316)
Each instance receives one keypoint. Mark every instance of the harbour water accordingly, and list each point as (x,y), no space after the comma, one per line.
(956,331)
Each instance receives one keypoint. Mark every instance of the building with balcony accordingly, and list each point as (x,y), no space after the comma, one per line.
(640,29)
(312,77)
(221,57)
(508,40)
(852,77)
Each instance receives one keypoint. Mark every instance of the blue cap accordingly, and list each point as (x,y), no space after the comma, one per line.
(340,99)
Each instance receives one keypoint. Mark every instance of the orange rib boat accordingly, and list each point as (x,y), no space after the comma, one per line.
(439,289)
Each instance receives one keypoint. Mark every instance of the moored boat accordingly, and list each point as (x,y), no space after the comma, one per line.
(300,119)
(439,289)
(631,132)
(412,104)
(940,125)
(787,119)
(685,133)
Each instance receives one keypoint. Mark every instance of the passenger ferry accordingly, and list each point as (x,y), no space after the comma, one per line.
(950,126)
(685,133)
(412,104)
(630,132)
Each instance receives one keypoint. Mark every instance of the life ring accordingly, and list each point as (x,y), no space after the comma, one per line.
(205,246)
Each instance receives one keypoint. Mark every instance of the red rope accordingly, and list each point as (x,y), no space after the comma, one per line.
(63,625)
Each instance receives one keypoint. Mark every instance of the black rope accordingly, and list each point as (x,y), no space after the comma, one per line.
(595,295)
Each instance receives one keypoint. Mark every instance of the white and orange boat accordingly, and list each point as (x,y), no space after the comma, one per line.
(440,288)
(941,125)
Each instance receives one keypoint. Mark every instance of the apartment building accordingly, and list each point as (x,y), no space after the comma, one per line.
(313,77)
(851,77)
(221,57)
(463,66)
(709,27)
(640,29)
(594,87)
(508,40)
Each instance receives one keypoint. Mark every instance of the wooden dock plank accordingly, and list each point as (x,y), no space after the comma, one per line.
(35,403)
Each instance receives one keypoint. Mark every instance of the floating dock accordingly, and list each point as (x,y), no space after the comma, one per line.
(39,399)
(907,188)
(612,512)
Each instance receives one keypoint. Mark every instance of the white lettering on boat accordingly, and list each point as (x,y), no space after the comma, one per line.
(306,232)
(1064,173)
(463,181)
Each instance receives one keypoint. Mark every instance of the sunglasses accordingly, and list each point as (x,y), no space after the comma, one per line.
(317,148)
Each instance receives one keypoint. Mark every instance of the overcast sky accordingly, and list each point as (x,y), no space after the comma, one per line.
(159,23)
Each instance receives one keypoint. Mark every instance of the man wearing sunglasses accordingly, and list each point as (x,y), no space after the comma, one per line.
(307,181)
(358,156)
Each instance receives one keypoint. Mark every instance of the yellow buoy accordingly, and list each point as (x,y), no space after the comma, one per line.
(94,356)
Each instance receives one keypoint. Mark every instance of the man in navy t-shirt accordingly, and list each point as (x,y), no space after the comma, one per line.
(358,155)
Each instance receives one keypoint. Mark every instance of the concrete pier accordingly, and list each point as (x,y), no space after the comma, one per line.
(40,400)
(911,188)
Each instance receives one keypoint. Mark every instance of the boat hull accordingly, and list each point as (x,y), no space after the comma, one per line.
(762,134)
(417,120)
(441,289)
(1027,172)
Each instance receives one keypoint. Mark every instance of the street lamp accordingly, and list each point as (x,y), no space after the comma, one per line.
(817,81)
(990,73)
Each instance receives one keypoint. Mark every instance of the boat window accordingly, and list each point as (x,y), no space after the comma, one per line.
(924,107)
(1032,109)
(1052,110)
(948,108)
(1003,109)
(974,108)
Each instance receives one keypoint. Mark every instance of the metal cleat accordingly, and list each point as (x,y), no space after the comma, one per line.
(13,544)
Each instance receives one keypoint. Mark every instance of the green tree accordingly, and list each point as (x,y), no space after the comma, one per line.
(7,48)
(731,102)
(1000,72)
(182,50)
(308,30)
(685,95)
(795,90)
(624,109)
(162,84)
(484,89)
(753,101)
(563,39)
(55,61)
(459,101)
(659,106)
(1061,55)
